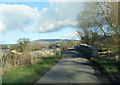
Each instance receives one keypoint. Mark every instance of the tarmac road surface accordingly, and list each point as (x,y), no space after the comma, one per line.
(73,68)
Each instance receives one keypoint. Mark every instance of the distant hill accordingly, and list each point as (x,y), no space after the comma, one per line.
(53,40)
(6,44)
(49,41)
(43,41)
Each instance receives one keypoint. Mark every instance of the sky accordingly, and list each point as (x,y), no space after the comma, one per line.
(38,20)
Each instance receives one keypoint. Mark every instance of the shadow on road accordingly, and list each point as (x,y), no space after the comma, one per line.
(84,61)
(73,68)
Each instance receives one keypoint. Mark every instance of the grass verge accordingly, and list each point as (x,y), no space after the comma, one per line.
(110,67)
(29,74)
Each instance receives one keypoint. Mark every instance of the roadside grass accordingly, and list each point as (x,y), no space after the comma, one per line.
(109,65)
(29,74)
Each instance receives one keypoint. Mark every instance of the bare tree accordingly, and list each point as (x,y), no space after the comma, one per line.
(104,17)
(23,44)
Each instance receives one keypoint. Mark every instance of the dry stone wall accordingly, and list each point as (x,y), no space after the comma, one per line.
(10,60)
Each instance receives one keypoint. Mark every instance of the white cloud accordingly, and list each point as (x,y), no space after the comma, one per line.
(71,35)
(26,18)
(2,41)
(16,17)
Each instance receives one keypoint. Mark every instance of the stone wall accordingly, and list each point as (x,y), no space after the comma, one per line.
(45,52)
(88,51)
(11,61)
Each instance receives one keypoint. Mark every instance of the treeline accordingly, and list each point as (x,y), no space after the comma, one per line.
(98,25)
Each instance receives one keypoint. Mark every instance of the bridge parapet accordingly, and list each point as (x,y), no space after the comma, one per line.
(87,50)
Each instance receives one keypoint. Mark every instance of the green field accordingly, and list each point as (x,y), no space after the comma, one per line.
(29,74)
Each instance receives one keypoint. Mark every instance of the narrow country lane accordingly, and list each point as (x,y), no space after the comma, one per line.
(73,68)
